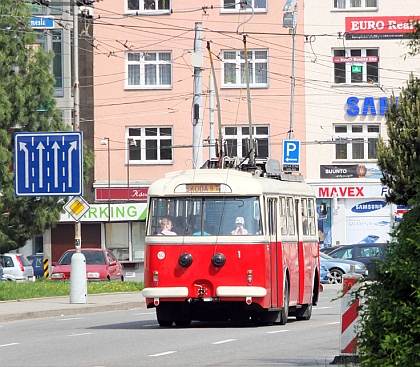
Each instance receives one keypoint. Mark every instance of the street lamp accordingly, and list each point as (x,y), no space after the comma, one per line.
(130,143)
(105,141)
(290,21)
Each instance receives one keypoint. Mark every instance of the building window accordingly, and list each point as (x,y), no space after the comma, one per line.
(55,7)
(237,136)
(53,40)
(356,142)
(257,5)
(148,6)
(234,68)
(356,66)
(150,145)
(355,4)
(149,70)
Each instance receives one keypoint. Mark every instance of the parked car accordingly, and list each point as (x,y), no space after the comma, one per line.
(100,265)
(325,273)
(37,262)
(16,267)
(367,253)
(339,267)
(1,273)
(327,250)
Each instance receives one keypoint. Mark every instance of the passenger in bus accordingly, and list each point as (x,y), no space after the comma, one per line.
(166,225)
(239,230)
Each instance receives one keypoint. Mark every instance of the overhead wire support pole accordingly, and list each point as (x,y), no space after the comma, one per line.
(198,100)
(78,282)
(292,84)
(248,95)
(219,117)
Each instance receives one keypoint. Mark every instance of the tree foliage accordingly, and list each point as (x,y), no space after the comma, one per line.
(414,43)
(399,157)
(389,333)
(26,86)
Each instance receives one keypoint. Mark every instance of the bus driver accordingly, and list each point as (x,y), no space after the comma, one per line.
(239,230)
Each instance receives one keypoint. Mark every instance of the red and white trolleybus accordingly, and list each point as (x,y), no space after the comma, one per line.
(224,244)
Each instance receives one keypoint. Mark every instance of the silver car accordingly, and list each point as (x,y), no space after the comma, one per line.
(339,267)
(17,267)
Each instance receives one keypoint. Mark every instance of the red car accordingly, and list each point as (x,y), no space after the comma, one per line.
(100,265)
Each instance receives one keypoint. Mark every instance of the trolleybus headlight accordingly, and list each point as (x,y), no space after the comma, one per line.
(218,260)
(155,278)
(249,277)
(185,260)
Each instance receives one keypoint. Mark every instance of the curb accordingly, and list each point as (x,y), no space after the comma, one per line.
(76,310)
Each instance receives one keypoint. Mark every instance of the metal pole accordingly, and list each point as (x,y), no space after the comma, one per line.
(198,102)
(212,142)
(248,93)
(109,181)
(78,282)
(292,81)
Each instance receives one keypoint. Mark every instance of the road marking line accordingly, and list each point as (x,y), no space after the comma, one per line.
(225,341)
(143,313)
(79,334)
(75,318)
(8,345)
(277,331)
(333,323)
(321,308)
(151,325)
(162,354)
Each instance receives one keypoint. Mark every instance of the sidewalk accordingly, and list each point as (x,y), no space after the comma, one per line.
(59,306)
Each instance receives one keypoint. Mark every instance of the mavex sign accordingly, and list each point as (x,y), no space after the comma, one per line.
(367,106)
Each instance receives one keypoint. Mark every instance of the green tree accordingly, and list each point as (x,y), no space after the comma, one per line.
(26,86)
(389,333)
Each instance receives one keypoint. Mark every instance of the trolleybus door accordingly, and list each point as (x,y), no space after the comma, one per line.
(274,250)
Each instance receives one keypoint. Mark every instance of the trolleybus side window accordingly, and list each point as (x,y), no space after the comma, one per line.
(283,216)
(272,216)
(304,209)
(311,217)
(290,216)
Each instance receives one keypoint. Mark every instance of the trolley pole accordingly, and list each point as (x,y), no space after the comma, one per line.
(78,282)
(198,99)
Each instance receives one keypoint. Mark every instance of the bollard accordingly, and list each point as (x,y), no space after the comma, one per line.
(46,269)
(349,320)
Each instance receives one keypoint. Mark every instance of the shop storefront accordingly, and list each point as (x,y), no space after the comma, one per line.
(352,209)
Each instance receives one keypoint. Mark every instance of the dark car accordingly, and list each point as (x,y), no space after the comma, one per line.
(327,250)
(37,262)
(100,265)
(367,253)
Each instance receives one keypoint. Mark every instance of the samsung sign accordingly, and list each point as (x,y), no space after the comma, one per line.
(367,106)
(368,206)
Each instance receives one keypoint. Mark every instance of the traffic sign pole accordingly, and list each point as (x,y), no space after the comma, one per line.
(78,281)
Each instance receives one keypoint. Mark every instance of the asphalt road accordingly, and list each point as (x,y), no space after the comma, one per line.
(133,338)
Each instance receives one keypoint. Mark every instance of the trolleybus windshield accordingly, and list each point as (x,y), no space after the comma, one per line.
(204,216)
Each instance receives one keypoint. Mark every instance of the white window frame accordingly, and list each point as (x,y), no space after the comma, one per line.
(348,5)
(353,139)
(237,65)
(348,66)
(147,11)
(134,141)
(142,64)
(50,41)
(241,137)
(239,8)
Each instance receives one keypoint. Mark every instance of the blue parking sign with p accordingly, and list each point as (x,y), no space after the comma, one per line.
(291,152)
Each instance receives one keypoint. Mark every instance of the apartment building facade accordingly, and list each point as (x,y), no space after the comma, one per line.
(144,96)
(354,62)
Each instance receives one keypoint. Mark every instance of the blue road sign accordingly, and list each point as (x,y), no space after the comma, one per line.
(42,23)
(49,164)
(291,152)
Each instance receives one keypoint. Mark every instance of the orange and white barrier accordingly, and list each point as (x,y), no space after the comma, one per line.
(349,314)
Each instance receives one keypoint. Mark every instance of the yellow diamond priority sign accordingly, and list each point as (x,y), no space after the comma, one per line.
(77,207)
